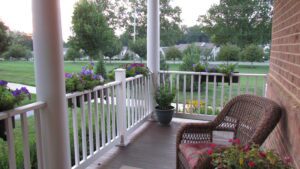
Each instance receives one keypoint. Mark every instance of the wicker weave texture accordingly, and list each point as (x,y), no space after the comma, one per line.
(251,118)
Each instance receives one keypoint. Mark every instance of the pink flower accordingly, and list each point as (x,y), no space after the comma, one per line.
(251,164)
(212,145)
(237,141)
(262,154)
(246,147)
(210,151)
(287,159)
(230,141)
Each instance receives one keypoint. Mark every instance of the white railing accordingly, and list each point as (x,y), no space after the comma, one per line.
(137,100)
(202,93)
(11,119)
(99,119)
(93,118)
(102,118)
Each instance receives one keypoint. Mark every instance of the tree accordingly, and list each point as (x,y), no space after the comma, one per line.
(194,34)
(17,51)
(139,47)
(241,22)
(121,17)
(90,27)
(191,56)
(4,38)
(253,53)
(100,68)
(72,54)
(229,53)
(114,49)
(173,53)
(21,38)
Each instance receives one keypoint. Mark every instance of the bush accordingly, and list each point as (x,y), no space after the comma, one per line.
(164,97)
(191,56)
(173,53)
(252,53)
(100,68)
(72,54)
(229,53)
(17,51)
(163,63)
(139,47)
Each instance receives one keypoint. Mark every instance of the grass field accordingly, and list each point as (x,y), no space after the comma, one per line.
(23,72)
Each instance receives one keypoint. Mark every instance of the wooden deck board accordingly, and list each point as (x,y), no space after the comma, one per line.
(153,148)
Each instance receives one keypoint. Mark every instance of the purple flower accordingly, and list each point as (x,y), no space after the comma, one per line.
(24,90)
(194,65)
(83,68)
(129,68)
(3,83)
(68,75)
(16,92)
(87,72)
(92,64)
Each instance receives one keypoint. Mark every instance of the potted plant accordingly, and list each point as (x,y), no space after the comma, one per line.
(164,111)
(8,100)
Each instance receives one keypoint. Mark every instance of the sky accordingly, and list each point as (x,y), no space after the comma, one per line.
(16,14)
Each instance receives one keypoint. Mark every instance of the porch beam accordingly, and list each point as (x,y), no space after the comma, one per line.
(49,75)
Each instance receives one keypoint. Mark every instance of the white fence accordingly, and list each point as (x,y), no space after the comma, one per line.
(9,119)
(99,119)
(202,93)
(106,116)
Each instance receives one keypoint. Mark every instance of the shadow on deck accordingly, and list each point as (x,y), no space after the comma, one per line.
(152,147)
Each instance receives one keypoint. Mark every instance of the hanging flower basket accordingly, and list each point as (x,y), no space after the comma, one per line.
(8,100)
(85,80)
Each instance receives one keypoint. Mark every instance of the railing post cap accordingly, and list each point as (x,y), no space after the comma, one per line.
(120,70)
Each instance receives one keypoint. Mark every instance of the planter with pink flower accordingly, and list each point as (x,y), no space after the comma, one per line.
(249,156)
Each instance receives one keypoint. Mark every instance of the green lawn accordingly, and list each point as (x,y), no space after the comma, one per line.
(23,72)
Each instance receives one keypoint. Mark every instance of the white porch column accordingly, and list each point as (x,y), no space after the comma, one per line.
(153,43)
(49,73)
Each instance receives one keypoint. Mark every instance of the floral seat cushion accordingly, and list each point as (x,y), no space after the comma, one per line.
(195,152)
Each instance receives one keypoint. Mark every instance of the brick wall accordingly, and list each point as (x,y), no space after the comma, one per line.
(284,77)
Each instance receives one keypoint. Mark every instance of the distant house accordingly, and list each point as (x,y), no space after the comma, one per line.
(127,52)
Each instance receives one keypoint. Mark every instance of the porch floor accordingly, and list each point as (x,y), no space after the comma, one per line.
(152,147)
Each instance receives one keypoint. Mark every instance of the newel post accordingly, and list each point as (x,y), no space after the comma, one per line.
(120,75)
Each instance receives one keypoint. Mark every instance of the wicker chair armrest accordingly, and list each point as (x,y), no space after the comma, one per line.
(195,132)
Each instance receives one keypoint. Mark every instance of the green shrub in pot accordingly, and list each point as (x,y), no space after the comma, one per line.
(164,96)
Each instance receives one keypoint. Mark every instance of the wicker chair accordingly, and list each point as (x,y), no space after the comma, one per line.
(250,118)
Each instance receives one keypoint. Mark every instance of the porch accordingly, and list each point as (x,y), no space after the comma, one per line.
(97,121)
